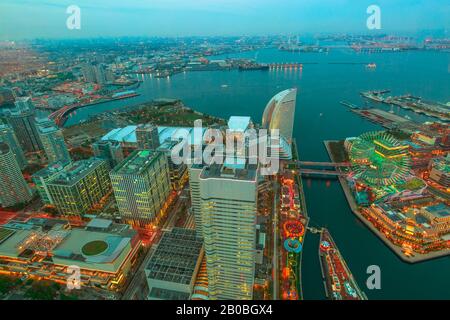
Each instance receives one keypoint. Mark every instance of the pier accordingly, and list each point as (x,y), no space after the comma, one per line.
(283,66)
(338,280)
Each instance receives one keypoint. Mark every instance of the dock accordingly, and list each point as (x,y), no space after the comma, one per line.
(412,103)
(338,280)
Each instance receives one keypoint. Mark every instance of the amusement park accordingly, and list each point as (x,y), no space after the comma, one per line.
(293,227)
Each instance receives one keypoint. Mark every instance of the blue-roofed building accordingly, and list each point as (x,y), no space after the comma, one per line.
(127,135)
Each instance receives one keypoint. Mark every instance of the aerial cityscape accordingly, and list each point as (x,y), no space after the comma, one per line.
(201,154)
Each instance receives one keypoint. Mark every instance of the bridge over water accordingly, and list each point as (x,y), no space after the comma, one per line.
(303,169)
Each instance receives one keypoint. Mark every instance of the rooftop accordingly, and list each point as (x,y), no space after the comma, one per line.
(176,256)
(128,134)
(238,171)
(98,223)
(240,124)
(76,171)
(440,210)
(50,170)
(137,162)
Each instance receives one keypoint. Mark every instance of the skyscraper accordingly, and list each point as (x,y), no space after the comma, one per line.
(81,186)
(8,136)
(24,125)
(141,187)
(108,150)
(52,141)
(13,187)
(228,208)
(147,136)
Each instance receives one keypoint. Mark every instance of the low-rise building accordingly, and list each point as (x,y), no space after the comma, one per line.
(173,267)
(50,249)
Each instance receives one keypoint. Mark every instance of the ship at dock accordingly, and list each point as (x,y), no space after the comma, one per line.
(338,280)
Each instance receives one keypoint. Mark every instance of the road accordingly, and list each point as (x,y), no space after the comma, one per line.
(275,258)
(138,281)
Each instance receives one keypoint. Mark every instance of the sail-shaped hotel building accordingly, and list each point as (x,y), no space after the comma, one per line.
(279,114)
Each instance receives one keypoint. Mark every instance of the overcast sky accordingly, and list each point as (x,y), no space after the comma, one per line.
(28,19)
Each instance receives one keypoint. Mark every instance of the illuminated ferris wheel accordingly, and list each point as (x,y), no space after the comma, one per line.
(379,159)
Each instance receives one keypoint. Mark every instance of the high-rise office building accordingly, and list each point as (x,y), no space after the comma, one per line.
(43,176)
(13,187)
(147,136)
(52,141)
(23,123)
(109,150)
(81,186)
(228,209)
(8,136)
(141,187)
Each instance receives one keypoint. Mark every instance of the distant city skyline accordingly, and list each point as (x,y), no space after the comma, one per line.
(28,19)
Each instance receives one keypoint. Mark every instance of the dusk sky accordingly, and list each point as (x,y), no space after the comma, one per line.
(28,19)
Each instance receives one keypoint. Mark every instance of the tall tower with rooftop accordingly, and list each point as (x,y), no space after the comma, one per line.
(228,209)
